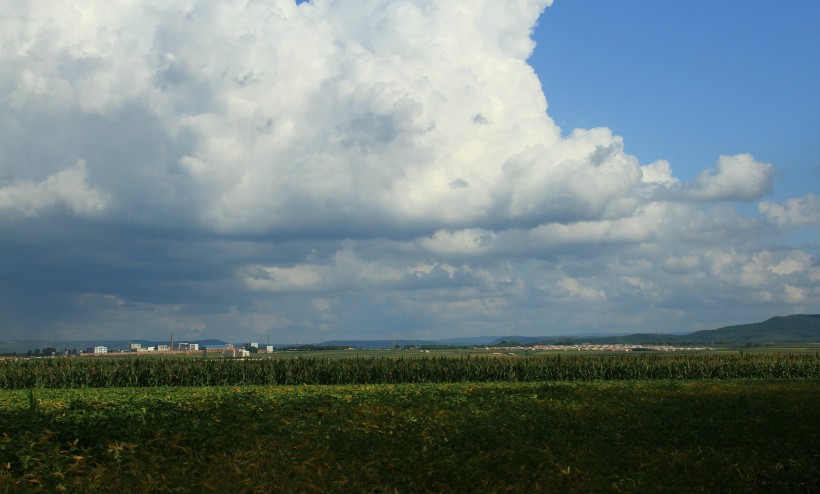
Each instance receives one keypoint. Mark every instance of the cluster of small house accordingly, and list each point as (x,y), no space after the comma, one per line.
(617,347)
(138,348)
(181,347)
(229,351)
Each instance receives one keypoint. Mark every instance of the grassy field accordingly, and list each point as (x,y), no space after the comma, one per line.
(616,436)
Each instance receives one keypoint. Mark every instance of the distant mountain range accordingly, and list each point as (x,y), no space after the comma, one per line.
(798,328)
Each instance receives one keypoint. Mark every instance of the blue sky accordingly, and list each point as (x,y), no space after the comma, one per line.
(687,81)
(399,169)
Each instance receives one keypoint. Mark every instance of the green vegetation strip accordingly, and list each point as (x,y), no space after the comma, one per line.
(617,436)
(139,372)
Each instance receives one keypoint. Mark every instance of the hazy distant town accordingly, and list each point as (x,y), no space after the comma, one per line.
(247,349)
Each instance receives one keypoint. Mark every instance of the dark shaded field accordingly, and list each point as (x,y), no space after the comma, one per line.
(618,436)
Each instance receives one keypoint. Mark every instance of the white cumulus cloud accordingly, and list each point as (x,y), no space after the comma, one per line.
(278,117)
(65,190)
(735,178)
(795,212)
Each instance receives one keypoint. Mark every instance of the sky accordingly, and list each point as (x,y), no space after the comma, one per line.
(405,169)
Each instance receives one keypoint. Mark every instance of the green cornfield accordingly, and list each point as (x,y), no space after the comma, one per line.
(154,372)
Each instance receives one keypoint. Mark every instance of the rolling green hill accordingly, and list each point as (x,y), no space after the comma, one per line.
(798,328)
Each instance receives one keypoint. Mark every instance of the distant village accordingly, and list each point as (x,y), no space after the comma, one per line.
(229,350)
(224,350)
(608,347)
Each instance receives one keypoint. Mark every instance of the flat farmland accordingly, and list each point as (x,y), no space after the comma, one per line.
(746,435)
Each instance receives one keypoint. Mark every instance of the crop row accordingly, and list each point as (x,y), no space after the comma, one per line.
(137,372)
